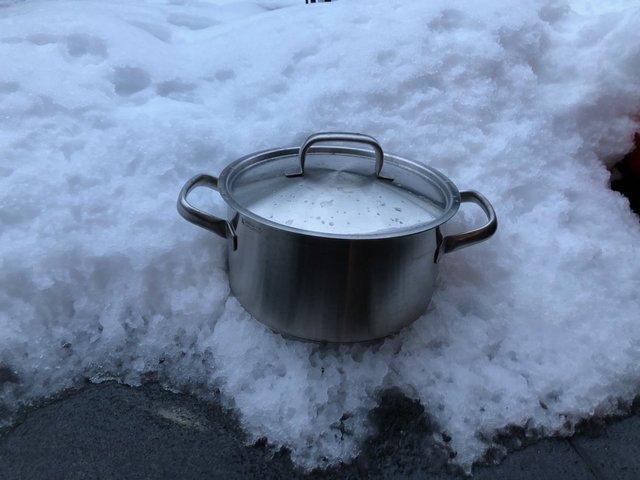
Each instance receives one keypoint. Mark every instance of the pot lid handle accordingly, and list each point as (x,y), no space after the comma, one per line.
(339,137)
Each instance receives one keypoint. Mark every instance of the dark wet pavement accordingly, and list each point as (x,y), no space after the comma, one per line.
(111,431)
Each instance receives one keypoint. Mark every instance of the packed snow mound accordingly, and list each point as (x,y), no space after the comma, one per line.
(107,108)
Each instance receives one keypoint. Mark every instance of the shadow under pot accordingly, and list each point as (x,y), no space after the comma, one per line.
(328,242)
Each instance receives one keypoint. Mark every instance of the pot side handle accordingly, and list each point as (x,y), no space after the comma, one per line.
(198,217)
(451,243)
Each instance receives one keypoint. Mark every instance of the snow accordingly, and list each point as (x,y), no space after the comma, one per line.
(107,108)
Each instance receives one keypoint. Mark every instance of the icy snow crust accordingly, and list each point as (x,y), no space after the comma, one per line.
(107,108)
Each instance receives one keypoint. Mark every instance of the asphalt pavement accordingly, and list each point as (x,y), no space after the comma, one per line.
(112,431)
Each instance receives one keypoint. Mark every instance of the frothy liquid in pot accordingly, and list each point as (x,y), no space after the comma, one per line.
(342,203)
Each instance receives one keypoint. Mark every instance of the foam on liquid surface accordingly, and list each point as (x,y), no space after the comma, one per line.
(341,203)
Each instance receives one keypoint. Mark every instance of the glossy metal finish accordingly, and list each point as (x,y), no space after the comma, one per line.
(219,226)
(451,243)
(339,137)
(334,288)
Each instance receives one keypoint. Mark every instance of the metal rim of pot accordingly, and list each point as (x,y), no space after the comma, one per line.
(221,184)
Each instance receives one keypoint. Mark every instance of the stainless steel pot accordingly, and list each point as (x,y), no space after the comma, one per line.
(342,250)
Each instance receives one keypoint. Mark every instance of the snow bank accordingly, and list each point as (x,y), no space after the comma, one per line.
(107,108)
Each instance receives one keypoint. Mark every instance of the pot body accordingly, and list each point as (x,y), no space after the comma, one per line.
(329,289)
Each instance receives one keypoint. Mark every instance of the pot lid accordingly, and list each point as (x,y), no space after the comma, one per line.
(339,191)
